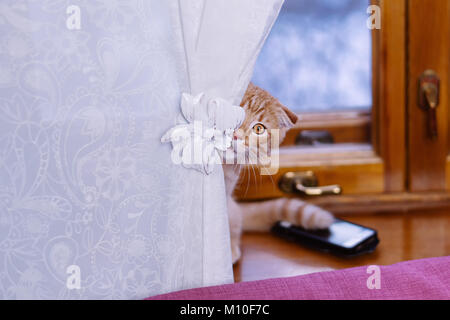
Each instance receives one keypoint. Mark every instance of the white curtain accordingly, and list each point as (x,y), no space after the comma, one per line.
(91,204)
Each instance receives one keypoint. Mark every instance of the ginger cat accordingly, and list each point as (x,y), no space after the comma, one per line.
(263,113)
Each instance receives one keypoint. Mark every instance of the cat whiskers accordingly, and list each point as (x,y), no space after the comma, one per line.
(248,180)
(273,182)
(251,156)
(254,174)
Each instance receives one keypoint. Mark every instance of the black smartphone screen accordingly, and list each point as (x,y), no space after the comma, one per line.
(342,237)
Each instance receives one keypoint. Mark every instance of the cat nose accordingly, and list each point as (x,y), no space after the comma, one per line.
(235,136)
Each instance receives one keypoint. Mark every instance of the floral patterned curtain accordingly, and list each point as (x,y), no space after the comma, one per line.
(91,204)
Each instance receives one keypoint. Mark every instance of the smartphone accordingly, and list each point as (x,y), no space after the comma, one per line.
(342,238)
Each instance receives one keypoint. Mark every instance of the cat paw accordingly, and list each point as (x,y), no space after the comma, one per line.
(314,218)
(235,254)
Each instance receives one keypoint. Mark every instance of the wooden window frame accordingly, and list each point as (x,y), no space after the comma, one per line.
(375,176)
(350,126)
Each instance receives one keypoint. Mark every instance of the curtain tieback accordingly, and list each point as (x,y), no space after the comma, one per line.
(207,131)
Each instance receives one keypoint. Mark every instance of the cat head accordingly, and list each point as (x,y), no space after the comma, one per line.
(264,117)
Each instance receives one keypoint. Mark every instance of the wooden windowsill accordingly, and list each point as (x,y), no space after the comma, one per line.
(386,202)
(416,235)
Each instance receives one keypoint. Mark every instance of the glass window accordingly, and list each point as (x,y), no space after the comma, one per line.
(318,56)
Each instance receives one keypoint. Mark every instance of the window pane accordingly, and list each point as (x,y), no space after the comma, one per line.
(318,56)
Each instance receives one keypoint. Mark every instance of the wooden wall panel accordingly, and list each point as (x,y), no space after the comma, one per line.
(428,48)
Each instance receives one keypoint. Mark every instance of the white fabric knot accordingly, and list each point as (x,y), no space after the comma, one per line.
(208,130)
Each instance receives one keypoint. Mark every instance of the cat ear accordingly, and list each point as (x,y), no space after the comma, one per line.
(288,118)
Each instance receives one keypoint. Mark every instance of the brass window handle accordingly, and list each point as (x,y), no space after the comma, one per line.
(429,99)
(431,94)
(306,183)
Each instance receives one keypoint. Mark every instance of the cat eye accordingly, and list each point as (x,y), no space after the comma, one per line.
(259,128)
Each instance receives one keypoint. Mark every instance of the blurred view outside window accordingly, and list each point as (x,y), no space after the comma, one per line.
(318,56)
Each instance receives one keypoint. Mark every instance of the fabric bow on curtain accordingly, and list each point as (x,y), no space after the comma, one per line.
(197,147)
(221,42)
(92,204)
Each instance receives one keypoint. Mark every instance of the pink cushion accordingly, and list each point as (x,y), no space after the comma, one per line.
(417,279)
